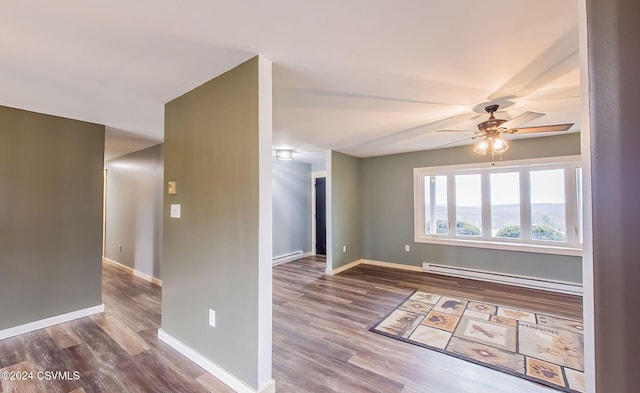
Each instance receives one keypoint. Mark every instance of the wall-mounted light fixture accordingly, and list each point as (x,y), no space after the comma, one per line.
(284,154)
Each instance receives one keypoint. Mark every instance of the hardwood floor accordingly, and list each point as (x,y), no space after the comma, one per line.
(321,341)
(117,351)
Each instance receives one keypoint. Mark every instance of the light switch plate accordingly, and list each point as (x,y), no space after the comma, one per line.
(172,188)
(212,318)
(175,211)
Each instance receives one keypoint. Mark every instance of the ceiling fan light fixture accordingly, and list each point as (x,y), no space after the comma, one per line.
(482,147)
(284,155)
(499,145)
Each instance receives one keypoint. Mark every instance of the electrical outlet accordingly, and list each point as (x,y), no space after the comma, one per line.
(407,247)
(212,318)
(344,248)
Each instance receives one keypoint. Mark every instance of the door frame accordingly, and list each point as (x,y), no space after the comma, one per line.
(314,176)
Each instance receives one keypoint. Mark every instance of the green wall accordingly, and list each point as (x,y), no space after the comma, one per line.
(386,200)
(346,209)
(291,184)
(212,254)
(133,212)
(50,216)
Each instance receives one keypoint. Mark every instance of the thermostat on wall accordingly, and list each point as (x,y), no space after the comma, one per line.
(172,188)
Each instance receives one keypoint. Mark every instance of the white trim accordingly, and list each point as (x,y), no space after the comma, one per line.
(292,256)
(503,245)
(45,323)
(393,265)
(329,207)
(543,161)
(265,220)
(133,272)
(223,375)
(343,268)
(526,244)
(502,278)
(567,287)
(588,300)
(269,387)
(314,176)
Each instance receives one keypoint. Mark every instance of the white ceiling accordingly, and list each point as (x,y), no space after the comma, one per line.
(364,77)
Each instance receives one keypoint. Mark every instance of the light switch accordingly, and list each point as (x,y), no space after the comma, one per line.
(212,318)
(175,211)
(172,188)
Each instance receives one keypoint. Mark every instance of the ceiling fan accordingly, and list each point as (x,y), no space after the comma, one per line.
(490,131)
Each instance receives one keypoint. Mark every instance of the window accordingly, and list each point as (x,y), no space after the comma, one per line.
(435,205)
(580,206)
(505,205)
(548,207)
(468,205)
(528,205)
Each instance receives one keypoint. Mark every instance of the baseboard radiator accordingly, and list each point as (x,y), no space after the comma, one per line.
(501,278)
(292,256)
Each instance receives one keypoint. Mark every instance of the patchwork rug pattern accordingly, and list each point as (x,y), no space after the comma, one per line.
(542,348)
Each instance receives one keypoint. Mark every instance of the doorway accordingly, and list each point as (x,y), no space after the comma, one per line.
(321,216)
(319,212)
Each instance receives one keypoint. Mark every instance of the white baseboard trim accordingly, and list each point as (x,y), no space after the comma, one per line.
(292,256)
(343,268)
(212,368)
(269,387)
(393,265)
(45,323)
(375,263)
(570,288)
(133,272)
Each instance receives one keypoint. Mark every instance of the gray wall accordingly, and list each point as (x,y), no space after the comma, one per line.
(50,216)
(346,209)
(388,212)
(373,198)
(291,184)
(211,254)
(614,61)
(134,210)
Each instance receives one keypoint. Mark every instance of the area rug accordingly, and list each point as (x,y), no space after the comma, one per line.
(538,347)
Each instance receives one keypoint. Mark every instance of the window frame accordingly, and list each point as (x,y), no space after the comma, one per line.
(568,163)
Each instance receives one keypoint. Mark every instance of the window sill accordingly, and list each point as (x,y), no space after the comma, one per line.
(498,245)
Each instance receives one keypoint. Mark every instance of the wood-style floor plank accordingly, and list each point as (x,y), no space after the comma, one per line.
(117,351)
(322,342)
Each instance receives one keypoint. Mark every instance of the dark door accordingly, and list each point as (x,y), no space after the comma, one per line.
(321,217)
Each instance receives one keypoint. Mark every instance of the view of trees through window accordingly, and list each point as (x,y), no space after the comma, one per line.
(546,204)
(548,220)
(436,215)
(469,205)
(505,204)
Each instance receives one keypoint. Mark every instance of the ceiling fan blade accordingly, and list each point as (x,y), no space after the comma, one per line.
(417,131)
(556,61)
(343,94)
(458,141)
(521,119)
(562,93)
(461,131)
(528,130)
